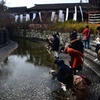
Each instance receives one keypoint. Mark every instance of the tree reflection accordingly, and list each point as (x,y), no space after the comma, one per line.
(35,52)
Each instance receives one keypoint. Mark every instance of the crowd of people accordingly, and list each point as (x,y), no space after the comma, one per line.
(67,74)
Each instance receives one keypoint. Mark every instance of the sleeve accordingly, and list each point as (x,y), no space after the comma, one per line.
(76,53)
(56,73)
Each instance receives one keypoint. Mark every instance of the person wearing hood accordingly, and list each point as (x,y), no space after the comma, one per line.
(61,72)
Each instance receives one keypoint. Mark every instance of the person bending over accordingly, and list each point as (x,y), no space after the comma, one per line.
(76,58)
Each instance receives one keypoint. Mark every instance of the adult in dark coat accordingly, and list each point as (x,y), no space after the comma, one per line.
(75,43)
(55,45)
(62,70)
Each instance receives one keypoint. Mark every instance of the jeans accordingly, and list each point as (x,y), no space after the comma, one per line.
(87,43)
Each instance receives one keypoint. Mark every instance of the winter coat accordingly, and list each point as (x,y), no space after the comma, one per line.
(76,57)
(55,43)
(87,32)
(62,71)
(77,45)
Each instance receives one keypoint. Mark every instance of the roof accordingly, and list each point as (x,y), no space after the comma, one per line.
(61,6)
(16,9)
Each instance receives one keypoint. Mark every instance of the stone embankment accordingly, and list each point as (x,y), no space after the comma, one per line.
(7,49)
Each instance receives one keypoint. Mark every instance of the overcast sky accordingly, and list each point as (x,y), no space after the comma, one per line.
(30,3)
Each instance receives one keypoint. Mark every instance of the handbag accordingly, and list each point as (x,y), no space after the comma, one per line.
(88,81)
(84,38)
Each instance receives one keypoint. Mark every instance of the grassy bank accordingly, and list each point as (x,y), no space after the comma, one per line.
(69,26)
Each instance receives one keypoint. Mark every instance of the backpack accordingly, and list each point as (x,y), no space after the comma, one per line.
(86,80)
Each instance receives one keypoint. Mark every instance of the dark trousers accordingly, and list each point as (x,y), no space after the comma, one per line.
(97,48)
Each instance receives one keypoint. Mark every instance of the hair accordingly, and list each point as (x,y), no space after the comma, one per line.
(62,48)
(59,62)
(54,35)
(98,28)
(56,61)
(57,33)
(87,26)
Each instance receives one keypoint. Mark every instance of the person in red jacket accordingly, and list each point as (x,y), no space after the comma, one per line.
(76,58)
(86,37)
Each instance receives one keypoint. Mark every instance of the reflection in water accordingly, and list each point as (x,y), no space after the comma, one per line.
(35,52)
(28,55)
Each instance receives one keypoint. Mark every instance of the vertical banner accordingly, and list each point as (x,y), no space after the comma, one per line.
(34,16)
(40,17)
(60,17)
(21,17)
(67,11)
(27,17)
(81,12)
(16,18)
(75,14)
(52,16)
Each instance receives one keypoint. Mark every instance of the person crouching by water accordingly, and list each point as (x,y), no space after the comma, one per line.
(61,71)
(78,85)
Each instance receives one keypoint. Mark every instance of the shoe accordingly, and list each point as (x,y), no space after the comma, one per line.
(96,59)
(57,57)
(64,88)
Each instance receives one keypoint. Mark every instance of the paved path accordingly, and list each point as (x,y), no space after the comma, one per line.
(26,84)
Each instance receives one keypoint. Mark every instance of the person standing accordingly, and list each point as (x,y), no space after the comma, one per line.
(73,35)
(5,35)
(55,46)
(86,37)
(75,43)
(97,40)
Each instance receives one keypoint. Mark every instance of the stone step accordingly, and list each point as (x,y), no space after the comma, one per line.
(89,60)
(91,52)
(92,66)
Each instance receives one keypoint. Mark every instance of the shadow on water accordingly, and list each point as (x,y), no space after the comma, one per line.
(24,75)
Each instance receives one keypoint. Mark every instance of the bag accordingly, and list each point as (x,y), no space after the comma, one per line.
(84,38)
(86,80)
